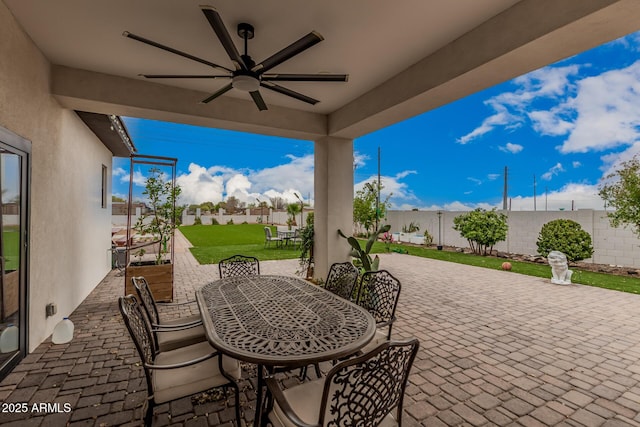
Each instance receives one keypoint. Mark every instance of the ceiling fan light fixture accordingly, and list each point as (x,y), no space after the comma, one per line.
(245,83)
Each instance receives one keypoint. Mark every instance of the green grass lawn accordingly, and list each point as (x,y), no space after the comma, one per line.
(601,280)
(211,243)
(215,242)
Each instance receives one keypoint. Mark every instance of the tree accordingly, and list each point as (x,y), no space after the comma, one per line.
(117,199)
(278,203)
(231,204)
(482,229)
(622,193)
(364,206)
(165,213)
(292,210)
(566,236)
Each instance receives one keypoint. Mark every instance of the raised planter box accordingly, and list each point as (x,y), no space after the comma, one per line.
(159,277)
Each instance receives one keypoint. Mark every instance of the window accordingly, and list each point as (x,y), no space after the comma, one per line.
(104,187)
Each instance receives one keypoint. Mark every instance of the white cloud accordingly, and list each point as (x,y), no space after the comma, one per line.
(474,180)
(511,107)
(391,185)
(200,185)
(359,159)
(607,109)
(493,176)
(138,178)
(118,172)
(580,196)
(511,148)
(576,164)
(555,170)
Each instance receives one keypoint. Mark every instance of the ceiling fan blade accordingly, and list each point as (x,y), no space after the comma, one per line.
(172,50)
(288,52)
(289,92)
(257,98)
(182,76)
(216,23)
(225,89)
(305,77)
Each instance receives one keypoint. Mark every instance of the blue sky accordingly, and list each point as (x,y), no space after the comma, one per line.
(567,125)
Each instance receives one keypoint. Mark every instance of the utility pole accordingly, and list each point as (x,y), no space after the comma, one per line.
(505,191)
(546,196)
(534,192)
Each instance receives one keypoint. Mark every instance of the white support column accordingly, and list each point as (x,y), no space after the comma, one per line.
(333,207)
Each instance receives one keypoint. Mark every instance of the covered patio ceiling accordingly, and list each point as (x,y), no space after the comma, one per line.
(403,58)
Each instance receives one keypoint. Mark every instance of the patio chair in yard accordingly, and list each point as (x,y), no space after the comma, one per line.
(378,294)
(364,391)
(168,334)
(239,265)
(268,238)
(178,373)
(342,279)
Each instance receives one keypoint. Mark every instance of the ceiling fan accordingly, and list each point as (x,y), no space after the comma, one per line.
(247,75)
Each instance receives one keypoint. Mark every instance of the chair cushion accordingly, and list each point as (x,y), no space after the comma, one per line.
(305,401)
(181,320)
(171,384)
(171,340)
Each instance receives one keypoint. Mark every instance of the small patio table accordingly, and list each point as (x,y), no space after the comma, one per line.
(280,321)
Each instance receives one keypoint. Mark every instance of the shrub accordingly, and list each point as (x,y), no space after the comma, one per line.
(245,222)
(482,229)
(230,222)
(411,228)
(197,221)
(566,236)
(214,221)
(428,238)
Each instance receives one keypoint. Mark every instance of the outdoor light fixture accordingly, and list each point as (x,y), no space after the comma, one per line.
(245,83)
(439,230)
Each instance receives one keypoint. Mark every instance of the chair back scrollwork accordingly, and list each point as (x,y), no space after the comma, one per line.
(138,328)
(146,297)
(379,292)
(239,265)
(364,390)
(342,279)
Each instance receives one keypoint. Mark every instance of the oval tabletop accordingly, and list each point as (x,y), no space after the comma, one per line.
(281,320)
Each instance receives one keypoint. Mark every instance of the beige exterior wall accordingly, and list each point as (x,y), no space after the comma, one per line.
(70,232)
(616,246)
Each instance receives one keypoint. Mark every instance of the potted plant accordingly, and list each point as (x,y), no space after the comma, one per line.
(362,258)
(156,230)
(306,248)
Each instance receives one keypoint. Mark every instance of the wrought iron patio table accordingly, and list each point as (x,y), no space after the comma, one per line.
(280,321)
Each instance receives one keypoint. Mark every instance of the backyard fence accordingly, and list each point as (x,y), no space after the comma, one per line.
(613,246)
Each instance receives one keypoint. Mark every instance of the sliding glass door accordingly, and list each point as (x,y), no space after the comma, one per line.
(14,173)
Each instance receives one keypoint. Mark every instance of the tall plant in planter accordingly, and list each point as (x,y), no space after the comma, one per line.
(163,219)
(158,225)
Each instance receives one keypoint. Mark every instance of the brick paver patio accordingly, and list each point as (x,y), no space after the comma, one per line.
(497,348)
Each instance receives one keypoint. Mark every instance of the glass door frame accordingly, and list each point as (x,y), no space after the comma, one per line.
(21,147)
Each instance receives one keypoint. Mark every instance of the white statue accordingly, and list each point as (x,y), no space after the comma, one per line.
(561,275)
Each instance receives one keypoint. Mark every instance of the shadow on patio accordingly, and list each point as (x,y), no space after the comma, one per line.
(496,348)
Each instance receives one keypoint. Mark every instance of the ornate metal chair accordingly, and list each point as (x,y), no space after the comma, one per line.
(268,238)
(177,373)
(168,334)
(342,279)
(239,265)
(364,391)
(379,292)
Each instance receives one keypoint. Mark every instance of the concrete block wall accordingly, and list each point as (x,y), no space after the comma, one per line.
(615,246)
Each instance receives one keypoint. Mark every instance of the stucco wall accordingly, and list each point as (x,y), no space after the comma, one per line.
(617,246)
(70,231)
